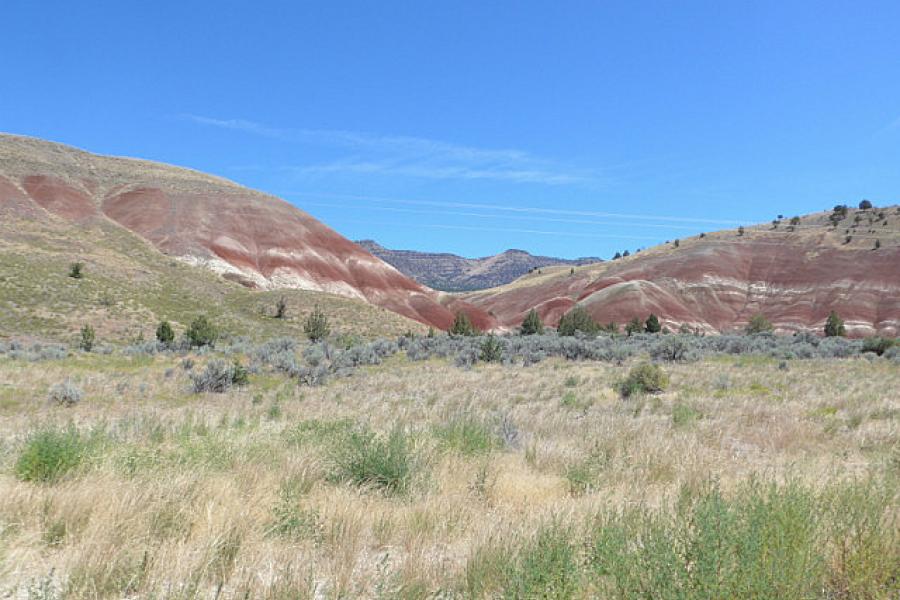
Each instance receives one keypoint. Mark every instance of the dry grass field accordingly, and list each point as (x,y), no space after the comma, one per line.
(747,477)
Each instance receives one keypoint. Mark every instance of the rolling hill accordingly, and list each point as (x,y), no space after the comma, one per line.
(452,273)
(794,274)
(153,236)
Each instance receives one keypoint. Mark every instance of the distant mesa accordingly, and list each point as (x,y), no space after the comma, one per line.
(452,273)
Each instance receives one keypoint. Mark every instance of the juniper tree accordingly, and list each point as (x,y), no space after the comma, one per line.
(577,319)
(316,326)
(532,324)
(491,350)
(280,308)
(651,325)
(834,326)
(87,338)
(462,325)
(633,326)
(202,332)
(165,334)
(76,270)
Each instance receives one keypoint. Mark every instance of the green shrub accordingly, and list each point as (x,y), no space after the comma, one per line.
(491,350)
(834,326)
(87,338)
(532,324)
(645,378)
(633,326)
(878,345)
(315,430)
(545,566)
(763,541)
(651,325)
(467,435)
(365,459)
(76,270)
(462,325)
(290,520)
(49,454)
(584,475)
(682,414)
(281,308)
(165,334)
(202,332)
(577,319)
(758,324)
(316,326)
(218,377)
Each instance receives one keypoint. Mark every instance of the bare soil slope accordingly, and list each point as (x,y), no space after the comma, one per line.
(257,240)
(793,274)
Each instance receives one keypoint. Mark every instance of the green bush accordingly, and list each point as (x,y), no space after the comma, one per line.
(764,541)
(633,326)
(577,319)
(165,334)
(758,324)
(290,520)
(462,325)
(834,326)
(365,459)
(878,345)
(76,270)
(651,325)
(49,454)
(467,435)
(218,377)
(281,308)
(532,324)
(316,326)
(683,414)
(87,338)
(491,350)
(645,378)
(546,566)
(202,332)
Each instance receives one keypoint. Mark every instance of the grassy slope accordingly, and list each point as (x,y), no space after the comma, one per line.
(129,286)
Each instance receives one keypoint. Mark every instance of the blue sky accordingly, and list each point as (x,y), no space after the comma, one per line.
(565,128)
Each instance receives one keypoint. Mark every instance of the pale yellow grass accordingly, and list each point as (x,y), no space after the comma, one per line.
(163,521)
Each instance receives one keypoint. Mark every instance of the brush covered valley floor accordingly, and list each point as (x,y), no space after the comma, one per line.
(747,477)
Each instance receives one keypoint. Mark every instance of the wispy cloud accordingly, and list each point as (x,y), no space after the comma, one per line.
(407,156)
(236,125)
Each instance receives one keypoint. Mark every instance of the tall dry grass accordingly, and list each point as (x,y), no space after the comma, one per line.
(514,481)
